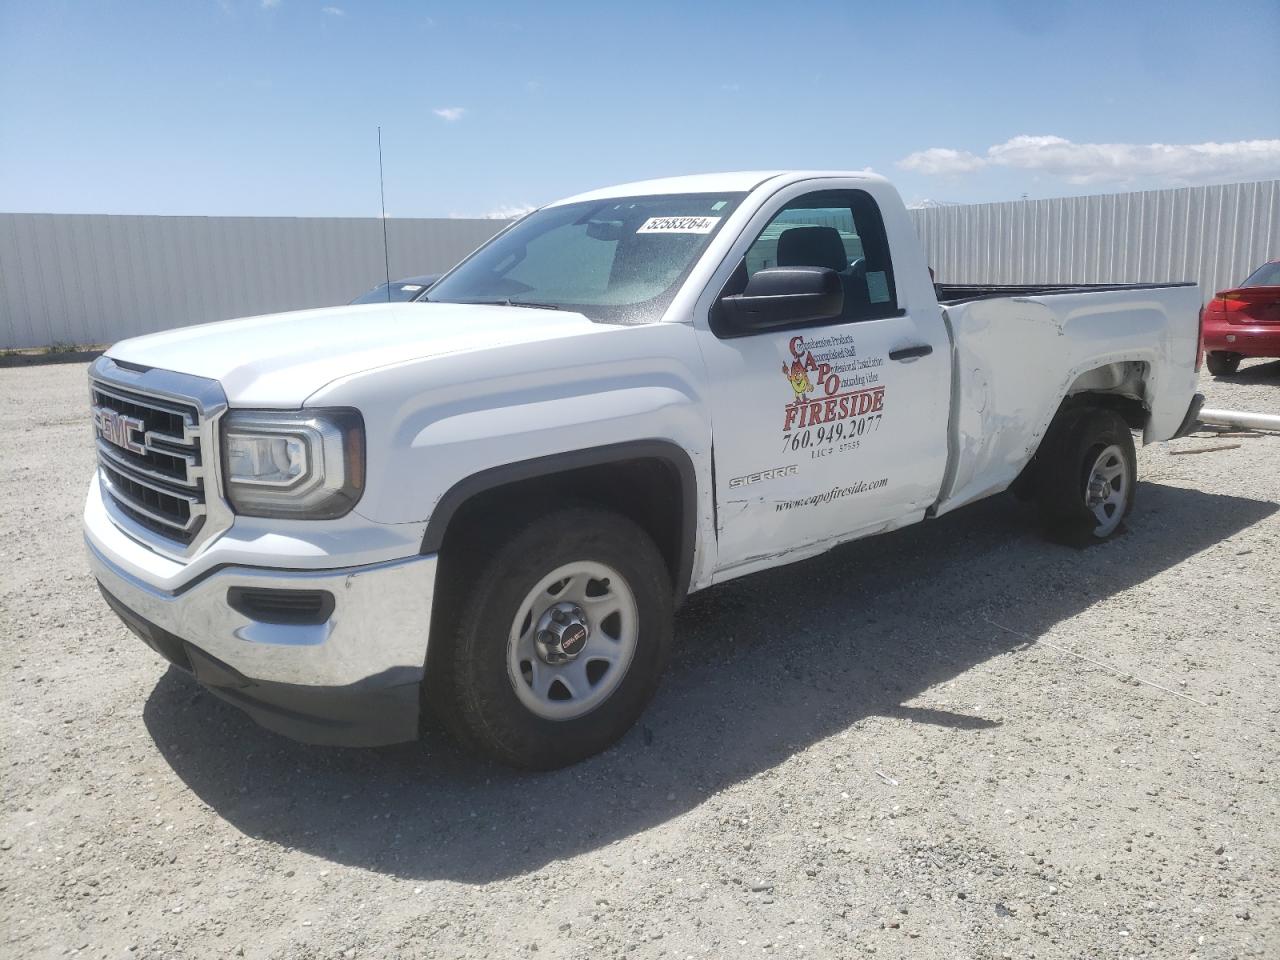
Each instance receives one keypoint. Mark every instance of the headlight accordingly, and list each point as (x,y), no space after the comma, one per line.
(305,464)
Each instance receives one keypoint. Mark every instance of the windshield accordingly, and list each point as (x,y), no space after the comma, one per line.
(616,261)
(397,291)
(1267,275)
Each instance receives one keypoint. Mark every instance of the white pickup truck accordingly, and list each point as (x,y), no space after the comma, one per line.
(485,505)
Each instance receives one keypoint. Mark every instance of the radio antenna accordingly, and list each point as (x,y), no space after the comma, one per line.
(382,191)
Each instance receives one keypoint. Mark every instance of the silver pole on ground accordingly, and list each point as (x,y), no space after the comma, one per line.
(1240,419)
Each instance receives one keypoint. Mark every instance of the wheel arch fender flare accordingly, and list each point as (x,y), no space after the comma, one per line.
(507,474)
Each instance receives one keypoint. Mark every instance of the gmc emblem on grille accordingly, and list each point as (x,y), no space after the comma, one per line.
(119,429)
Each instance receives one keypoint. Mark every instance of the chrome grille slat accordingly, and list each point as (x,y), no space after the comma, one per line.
(190,480)
(156,403)
(183,521)
(170,434)
(161,442)
(157,440)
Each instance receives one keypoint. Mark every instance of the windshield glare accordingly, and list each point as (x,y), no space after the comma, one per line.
(616,261)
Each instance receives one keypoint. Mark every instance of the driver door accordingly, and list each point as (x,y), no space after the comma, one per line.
(824,430)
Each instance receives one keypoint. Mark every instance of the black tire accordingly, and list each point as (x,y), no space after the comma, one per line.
(1067,457)
(473,691)
(1222,364)
(1024,484)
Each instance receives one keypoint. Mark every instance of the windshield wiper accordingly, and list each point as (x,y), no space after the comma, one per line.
(508,302)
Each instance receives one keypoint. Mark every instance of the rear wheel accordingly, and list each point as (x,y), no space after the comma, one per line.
(1222,364)
(1087,476)
(560,639)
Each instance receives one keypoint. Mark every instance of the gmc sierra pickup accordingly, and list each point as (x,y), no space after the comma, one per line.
(485,505)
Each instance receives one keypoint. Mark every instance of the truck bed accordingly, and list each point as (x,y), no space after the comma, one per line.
(950,293)
(1018,350)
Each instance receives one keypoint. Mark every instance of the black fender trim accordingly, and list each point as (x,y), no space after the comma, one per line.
(508,473)
(1192,419)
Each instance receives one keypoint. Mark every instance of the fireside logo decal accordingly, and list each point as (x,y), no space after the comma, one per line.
(837,398)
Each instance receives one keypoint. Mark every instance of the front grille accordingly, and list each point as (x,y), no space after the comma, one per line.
(151,460)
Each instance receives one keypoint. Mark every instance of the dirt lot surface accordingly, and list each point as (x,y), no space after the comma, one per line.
(955,741)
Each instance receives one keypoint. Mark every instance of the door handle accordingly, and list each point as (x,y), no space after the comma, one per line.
(910,353)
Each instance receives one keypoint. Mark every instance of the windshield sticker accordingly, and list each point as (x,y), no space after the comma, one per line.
(877,286)
(837,399)
(411,287)
(678,225)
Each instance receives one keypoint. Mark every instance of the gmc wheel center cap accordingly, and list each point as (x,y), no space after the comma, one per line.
(562,633)
(573,639)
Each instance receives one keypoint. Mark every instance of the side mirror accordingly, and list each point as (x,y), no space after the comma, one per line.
(781,296)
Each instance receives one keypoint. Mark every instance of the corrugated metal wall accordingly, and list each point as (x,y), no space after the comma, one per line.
(96,279)
(1213,235)
(71,278)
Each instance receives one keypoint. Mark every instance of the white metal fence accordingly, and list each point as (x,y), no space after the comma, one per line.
(1215,236)
(73,278)
(68,278)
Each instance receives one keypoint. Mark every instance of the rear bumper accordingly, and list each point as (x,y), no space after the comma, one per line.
(351,680)
(1248,340)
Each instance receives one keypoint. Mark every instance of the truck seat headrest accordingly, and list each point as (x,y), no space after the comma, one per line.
(812,247)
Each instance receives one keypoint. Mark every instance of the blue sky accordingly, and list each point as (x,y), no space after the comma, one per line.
(270,108)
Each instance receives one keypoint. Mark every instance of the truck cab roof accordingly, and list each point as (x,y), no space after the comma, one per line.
(742,181)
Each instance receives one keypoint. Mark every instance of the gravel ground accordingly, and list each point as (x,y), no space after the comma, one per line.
(954,741)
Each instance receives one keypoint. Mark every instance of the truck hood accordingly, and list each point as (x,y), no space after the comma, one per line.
(280,359)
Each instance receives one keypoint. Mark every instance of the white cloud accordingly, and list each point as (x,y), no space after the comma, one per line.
(334,11)
(1083,163)
(450,113)
(510,211)
(1092,162)
(942,160)
(269,4)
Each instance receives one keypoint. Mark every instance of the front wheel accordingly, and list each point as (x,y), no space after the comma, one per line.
(560,640)
(1087,477)
(1222,364)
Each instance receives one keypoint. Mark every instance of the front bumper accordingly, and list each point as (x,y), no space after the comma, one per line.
(351,680)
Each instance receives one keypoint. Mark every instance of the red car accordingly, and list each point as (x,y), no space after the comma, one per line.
(1244,321)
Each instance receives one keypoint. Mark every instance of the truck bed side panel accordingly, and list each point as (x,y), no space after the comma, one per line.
(1016,359)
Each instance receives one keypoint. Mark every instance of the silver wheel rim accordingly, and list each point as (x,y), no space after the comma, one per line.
(1107,490)
(576,686)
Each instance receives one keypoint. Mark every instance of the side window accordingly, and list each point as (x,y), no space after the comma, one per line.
(839,229)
